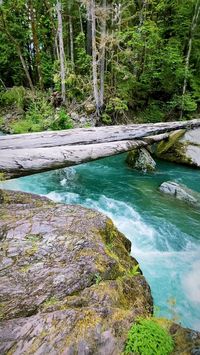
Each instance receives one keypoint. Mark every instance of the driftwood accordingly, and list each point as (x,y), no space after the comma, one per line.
(26,154)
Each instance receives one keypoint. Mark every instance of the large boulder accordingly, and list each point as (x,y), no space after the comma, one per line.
(141,159)
(181,192)
(67,280)
(181,147)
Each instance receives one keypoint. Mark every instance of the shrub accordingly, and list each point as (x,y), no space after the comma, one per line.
(14,96)
(146,337)
(61,121)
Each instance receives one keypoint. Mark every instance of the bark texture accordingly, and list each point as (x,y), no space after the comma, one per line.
(36,152)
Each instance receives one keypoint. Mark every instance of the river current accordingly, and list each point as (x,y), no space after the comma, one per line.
(165,233)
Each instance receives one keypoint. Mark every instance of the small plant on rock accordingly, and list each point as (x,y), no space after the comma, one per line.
(146,337)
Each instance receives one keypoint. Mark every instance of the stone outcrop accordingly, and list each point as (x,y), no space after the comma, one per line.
(141,159)
(181,147)
(68,283)
(186,341)
(181,192)
(67,279)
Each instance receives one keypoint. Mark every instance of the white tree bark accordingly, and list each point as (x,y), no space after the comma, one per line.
(103,51)
(71,40)
(61,50)
(94,56)
(187,59)
(30,153)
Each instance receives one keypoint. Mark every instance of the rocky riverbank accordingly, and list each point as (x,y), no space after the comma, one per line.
(67,279)
(68,282)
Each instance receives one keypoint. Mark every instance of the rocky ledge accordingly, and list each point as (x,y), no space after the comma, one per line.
(67,279)
(181,147)
(68,283)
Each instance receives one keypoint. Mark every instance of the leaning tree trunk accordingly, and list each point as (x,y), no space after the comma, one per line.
(61,50)
(18,50)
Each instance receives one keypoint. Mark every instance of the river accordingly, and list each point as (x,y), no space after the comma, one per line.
(165,233)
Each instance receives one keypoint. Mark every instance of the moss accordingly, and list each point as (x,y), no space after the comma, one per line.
(173,150)
(177,154)
(34,238)
(132,157)
(164,146)
(31,251)
(50,302)
(25,268)
(2,176)
(89,320)
(2,311)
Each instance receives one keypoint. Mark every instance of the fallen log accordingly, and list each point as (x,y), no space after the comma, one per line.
(20,162)
(37,152)
(80,136)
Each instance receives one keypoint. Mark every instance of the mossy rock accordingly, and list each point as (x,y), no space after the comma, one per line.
(140,159)
(66,282)
(182,147)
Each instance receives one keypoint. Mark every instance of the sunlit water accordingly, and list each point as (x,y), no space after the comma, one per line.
(165,233)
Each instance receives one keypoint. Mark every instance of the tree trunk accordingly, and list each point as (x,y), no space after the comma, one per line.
(102,58)
(36,44)
(61,50)
(18,50)
(89,29)
(187,59)
(54,34)
(94,57)
(71,41)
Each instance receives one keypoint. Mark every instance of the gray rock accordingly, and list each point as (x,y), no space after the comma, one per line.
(181,147)
(89,108)
(65,287)
(181,192)
(141,159)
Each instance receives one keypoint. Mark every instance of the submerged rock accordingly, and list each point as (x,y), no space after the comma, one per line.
(181,147)
(181,192)
(67,279)
(141,159)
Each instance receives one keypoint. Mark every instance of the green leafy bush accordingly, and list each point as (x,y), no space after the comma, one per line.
(14,96)
(148,338)
(61,121)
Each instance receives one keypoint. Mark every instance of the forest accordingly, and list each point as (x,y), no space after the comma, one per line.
(99,177)
(115,61)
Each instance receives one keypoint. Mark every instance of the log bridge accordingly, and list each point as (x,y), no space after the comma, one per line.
(30,153)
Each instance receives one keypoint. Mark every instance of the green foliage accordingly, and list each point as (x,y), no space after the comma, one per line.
(42,116)
(98,278)
(155,112)
(15,96)
(83,60)
(146,337)
(145,61)
(134,271)
(106,119)
(2,121)
(61,121)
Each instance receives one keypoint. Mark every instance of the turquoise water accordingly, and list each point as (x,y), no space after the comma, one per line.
(165,233)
